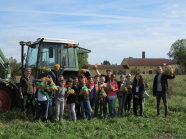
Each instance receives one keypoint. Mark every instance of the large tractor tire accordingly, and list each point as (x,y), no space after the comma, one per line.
(5,100)
(9,97)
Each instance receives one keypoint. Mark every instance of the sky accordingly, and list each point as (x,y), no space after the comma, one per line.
(111,29)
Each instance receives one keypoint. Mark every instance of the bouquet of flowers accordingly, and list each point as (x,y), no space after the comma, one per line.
(70,91)
(41,83)
(51,86)
(102,93)
(57,67)
(83,71)
(96,66)
(169,70)
(129,86)
(124,88)
(111,87)
(84,91)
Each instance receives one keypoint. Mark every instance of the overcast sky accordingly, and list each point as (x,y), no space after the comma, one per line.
(111,29)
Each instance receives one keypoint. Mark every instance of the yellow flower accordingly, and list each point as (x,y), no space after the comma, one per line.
(169,66)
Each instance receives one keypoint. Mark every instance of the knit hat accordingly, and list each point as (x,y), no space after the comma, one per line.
(128,75)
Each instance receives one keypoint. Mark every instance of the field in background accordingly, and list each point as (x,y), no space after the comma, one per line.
(15,124)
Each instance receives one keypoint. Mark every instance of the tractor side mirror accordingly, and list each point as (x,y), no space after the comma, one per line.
(51,55)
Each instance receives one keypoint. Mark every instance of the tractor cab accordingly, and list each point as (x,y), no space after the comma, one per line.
(46,52)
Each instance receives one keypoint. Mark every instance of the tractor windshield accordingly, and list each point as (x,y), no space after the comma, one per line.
(68,57)
(50,54)
(32,56)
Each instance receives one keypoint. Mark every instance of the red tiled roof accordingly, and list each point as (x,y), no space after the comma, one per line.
(112,67)
(145,61)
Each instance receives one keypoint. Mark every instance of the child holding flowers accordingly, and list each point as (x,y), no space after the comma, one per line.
(103,97)
(71,99)
(76,88)
(96,93)
(91,94)
(122,95)
(83,91)
(129,93)
(60,100)
(42,100)
(112,88)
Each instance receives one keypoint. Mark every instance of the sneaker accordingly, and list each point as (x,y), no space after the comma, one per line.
(166,116)
(46,121)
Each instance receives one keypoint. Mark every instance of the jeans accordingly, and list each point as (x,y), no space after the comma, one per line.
(112,101)
(162,95)
(42,110)
(86,109)
(59,109)
(72,112)
(122,102)
(50,108)
(102,104)
(92,103)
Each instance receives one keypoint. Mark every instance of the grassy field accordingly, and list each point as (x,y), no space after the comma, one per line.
(15,124)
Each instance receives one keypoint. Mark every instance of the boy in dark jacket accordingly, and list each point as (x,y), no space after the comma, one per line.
(160,88)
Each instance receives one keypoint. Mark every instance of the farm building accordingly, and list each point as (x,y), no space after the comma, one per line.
(144,65)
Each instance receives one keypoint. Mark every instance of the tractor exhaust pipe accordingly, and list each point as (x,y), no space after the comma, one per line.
(22,43)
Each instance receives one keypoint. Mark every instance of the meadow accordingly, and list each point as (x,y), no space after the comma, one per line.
(16,125)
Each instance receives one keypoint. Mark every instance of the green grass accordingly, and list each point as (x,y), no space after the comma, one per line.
(14,124)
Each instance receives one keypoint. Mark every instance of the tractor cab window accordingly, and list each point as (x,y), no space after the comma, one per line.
(32,56)
(49,55)
(68,57)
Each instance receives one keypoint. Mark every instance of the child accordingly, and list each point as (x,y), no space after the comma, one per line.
(112,88)
(75,87)
(84,99)
(60,100)
(103,97)
(129,93)
(96,94)
(122,95)
(71,99)
(42,99)
(91,94)
(138,90)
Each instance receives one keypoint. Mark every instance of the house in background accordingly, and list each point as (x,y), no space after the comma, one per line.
(116,69)
(146,65)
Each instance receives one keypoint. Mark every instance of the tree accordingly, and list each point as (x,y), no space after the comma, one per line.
(83,60)
(135,70)
(106,62)
(178,52)
(14,67)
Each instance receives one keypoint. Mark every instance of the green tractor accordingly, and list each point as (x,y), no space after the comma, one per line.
(9,92)
(44,52)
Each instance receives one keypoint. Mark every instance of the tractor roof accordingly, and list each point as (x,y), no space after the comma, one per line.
(55,40)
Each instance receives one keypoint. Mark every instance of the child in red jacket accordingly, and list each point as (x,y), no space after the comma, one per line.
(112,88)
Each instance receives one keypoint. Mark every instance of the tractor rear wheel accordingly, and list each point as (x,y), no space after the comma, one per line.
(5,100)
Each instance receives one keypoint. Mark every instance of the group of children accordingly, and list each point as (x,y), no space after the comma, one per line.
(90,97)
